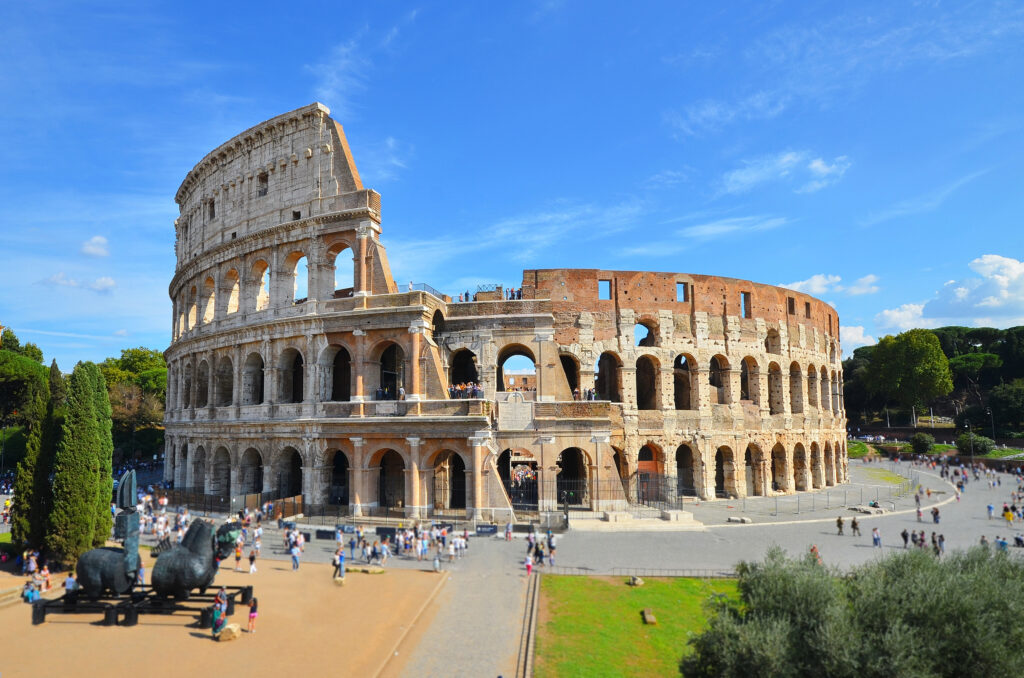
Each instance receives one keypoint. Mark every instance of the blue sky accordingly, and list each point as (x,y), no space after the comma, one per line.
(869,154)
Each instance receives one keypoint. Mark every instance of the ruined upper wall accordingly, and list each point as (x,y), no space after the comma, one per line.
(293,166)
(573,291)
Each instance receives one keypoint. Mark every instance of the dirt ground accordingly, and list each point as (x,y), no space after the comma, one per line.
(307,626)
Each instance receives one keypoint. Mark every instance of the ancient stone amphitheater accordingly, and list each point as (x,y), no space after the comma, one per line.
(299,367)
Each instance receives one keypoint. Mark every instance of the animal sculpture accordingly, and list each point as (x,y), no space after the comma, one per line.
(110,570)
(193,563)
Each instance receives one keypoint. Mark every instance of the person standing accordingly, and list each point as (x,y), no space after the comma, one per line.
(295,556)
(252,561)
(253,610)
(876,537)
(508,531)
(238,556)
(839,525)
(336,562)
(906,537)
(529,565)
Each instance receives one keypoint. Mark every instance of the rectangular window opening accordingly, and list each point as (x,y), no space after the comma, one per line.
(748,310)
(296,215)
(213,209)
(807,309)
(682,292)
(263,186)
(792,306)
(604,289)
(234,234)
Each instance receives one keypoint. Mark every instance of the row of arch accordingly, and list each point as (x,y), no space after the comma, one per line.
(646,333)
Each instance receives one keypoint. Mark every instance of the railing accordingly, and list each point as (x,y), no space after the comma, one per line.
(195,500)
(424,287)
(488,287)
(691,573)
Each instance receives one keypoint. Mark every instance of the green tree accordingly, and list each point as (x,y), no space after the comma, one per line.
(9,341)
(970,370)
(76,467)
(22,380)
(32,351)
(910,368)
(57,385)
(1007,403)
(105,454)
(971,444)
(25,516)
(922,443)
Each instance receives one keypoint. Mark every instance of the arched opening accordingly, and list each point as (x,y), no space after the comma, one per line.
(250,469)
(392,373)
(776,401)
(650,469)
(186,386)
(830,466)
(232,289)
(801,468)
(571,369)
(225,382)
(203,385)
(209,300)
(181,469)
(725,473)
(518,472)
(517,369)
(773,342)
(644,334)
(796,397)
(343,282)
(436,326)
(220,480)
(288,472)
(754,467)
(825,392)
(685,471)
(292,373)
(817,467)
(780,475)
(337,488)
(646,383)
(260,283)
(682,380)
(252,380)
(463,369)
(571,483)
(718,380)
(449,481)
(812,386)
(296,277)
(750,381)
(341,376)
(199,470)
(193,313)
(391,483)
(607,383)
(837,394)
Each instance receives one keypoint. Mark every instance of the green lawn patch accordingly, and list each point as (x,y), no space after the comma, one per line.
(591,626)
(881,475)
(856,449)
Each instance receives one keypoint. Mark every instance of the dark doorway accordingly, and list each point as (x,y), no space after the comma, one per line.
(719,474)
(518,473)
(464,367)
(646,384)
(449,481)
(391,488)
(607,380)
(391,371)
(338,493)
(572,372)
(289,474)
(684,471)
(341,382)
(571,484)
(298,394)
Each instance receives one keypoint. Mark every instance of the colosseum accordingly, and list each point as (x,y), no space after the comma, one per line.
(299,367)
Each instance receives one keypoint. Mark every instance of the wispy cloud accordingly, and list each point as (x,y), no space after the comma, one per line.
(710,115)
(96,246)
(705,231)
(342,76)
(812,172)
(669,178)
(384,160)
(923,203)
(828,283)
(824,174)
(102,284)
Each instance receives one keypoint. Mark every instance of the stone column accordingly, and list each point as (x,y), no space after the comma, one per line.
(415,390)
(700,390)
(478,444)
(414,507)
(764,394)
(667,388)
(707,456)
(362,282)
(547,476)
(357,479)
(169,458)
(358,382)
(543,340)
(600,440)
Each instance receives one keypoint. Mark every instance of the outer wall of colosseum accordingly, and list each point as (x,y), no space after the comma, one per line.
(298,366)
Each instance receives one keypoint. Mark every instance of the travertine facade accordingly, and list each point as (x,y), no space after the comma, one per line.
(735,390)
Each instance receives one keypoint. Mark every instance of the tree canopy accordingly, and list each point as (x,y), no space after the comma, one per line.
(910,368)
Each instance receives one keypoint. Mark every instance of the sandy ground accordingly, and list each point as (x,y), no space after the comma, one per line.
(307,626)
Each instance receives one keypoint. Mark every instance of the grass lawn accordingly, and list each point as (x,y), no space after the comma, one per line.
(881,475)
(591,626)
(856,449)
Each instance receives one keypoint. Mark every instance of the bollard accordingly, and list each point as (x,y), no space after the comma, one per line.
(231,605)
(38,613)
(110,616)
(246,595)
(206,617)
(798,504)
(131,616)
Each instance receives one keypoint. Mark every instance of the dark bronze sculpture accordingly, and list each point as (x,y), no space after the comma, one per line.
(191,564)
(114,570)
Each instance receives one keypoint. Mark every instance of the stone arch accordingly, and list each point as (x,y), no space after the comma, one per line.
(645,332)
(193,310)
(817,467)
(390,466)
(342,283)
(754,465)
(390,370)
(225,386)
(292,368)
(287,472)
(232,290)
(801,468)
(508,351)
(826,390)
(259,283)
(837,393)
(647,383)
(436,325)
(336,367)
(608,379)
(199,469)
(209,299)
(448,489)
(517,469)
(186,385)
(337,468)
(571,369)
(203,384)
(780,469)
(463,367)
(829,465)
(293,278)
(750,380)
(687,470)
(571,480)
(812,386)
(796,390)
(181,467)
(684,382)
(250,471)
(718,380)
(725,472)
(650,459)
(776,390)
(253,380)
(773,342)
(220,475)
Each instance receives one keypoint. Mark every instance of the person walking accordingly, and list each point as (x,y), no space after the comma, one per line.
(336,562)
(295,556)
(508,531)
(876,537)
(238,556)
(839,525)
(855,527)
(253,611)
(906,537)
(529,565)
(252,561)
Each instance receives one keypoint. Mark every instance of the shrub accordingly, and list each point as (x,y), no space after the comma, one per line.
(922,443)
(978,448)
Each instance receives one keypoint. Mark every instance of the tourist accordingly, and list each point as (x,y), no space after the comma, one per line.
(336,562)
(855,527)
(906,537)
(839,525)
(252,561)
(508,531)
(238,556)
(529,565)
(141,577)
(253,610)
(295,551)
(876,537)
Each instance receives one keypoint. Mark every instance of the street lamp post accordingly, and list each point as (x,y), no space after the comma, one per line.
(988,411)
(970,437)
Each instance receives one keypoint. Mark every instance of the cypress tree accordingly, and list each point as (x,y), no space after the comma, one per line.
(43,492)
(105,453)
(76,463)
(24,513)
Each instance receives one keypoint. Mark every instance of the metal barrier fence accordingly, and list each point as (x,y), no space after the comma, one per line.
(692,573)
(195,500)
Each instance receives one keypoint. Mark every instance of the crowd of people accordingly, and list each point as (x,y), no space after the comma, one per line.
(465,390)
(586,394)
(537,548)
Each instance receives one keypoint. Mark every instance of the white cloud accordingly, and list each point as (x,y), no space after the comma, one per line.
(865,285)
(711,114)
(813,173)
(854,336)
(342,75)
(705,231)
(905,317)
(926,202)
(121,333)
(997,293)
(384,160)
(96,246)
(669,178)
(101,284)
(817,285)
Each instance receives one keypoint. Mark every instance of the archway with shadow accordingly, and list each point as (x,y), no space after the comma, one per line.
(392,372)
(449,490)
(685,474)
(571,484)
(650,470)
(288,473)
(518,472)
(250,470)
(391,480)
(571,369)
(463,369)
(607,381)
(220,479)
(517,369)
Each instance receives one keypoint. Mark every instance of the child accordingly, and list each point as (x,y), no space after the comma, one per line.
(252,561)
(238,556)
(252,616)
